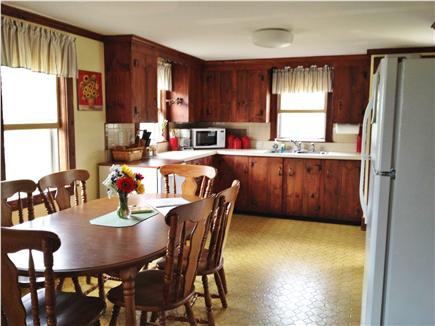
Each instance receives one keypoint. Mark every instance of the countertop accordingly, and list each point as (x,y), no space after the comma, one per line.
(176,157)
(193,155)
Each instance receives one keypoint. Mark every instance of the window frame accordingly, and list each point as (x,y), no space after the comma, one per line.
(325,110)
(64,126)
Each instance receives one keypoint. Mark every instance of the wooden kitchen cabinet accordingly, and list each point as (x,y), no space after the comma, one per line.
(231,168)
(350,92)
(311,204)
(236,96)
(310,188)
(340,190)
(186,84)
(253,96)
(265,184)
(131,81)
(217,96)
(293,187)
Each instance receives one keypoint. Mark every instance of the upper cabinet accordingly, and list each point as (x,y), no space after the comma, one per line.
(350,91)
(186,85)
(233,95)
(131,81)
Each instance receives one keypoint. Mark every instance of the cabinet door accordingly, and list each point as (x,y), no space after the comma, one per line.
(241,114)
(331,188)
(350,93)
(265,184)
(311,194)
(293,186)
(225,96)
(139,86)
(234,167)
(151,93)
(211,96)
(257,95)
(348,204)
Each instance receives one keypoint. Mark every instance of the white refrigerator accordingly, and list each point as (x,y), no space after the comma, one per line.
(399,272)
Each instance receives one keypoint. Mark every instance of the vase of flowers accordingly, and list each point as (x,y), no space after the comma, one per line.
(123,181)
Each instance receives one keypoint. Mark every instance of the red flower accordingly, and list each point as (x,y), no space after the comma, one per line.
(125,184)
(139,176)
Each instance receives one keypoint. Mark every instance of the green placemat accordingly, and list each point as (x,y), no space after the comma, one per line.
(112,220)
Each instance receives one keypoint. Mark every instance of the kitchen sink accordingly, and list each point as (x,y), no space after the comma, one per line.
(303,152)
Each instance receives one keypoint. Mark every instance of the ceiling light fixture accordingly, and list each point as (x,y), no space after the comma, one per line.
(272,37)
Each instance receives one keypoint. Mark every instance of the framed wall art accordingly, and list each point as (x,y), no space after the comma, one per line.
(89,89)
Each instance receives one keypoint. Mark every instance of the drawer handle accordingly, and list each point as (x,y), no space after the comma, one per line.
(291,172)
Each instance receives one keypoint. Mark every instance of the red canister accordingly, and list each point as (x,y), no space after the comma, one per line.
(246,142)
(230,141)
(237,143)
(173,143)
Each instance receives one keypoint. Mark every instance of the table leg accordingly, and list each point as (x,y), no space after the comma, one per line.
(127,276)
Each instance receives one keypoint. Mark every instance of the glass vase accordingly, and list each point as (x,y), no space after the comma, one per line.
(123,209)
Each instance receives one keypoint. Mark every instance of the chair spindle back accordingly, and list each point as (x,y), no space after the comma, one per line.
(12,306)
(10,188)
(220,223)
(188,227)
(56,189)
(191,173)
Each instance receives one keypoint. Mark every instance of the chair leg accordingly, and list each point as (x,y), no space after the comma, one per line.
(77,286)
(143,318)
(223,279)
(115,314)
(207,299)
(88,279)
(101,293)
(190,315)
(162,318)
(221,289)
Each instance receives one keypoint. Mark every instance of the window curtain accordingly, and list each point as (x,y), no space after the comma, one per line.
(302,80)
(37,48)
(164,83)
(164,76)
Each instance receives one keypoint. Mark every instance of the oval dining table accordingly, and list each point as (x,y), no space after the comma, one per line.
(87,248)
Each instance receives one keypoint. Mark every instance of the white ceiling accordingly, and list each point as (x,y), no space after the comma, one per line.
(222,30)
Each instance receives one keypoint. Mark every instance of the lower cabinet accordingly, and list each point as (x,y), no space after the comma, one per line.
(293,187)
(265,184)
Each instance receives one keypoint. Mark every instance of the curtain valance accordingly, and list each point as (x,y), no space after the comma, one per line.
(37,48)
(300,79)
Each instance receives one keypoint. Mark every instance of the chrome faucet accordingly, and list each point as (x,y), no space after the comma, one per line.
(298,145)
(312,148)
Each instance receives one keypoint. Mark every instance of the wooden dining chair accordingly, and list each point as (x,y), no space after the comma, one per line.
(212,261)
(44,306)
(20,204)
(195,175)
(56,190)
(163,290)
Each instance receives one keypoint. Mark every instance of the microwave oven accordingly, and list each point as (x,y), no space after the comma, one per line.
(208,137)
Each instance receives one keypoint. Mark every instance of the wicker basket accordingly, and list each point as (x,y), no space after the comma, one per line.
(127,154)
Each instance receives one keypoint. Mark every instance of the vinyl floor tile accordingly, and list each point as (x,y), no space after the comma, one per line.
(285,272)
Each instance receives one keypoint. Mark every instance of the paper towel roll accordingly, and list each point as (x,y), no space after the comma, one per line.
(346,128)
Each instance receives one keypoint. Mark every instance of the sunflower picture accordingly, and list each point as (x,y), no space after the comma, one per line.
(89,88)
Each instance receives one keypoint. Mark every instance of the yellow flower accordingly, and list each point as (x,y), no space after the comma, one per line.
(140,188)
(127,171)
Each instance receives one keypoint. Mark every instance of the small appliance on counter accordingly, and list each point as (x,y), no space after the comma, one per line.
(184,139)
(208,138)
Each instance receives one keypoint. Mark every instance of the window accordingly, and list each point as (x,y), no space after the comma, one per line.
(33,139)
(302,116)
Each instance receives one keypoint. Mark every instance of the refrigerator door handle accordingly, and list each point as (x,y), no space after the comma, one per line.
(364,158)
